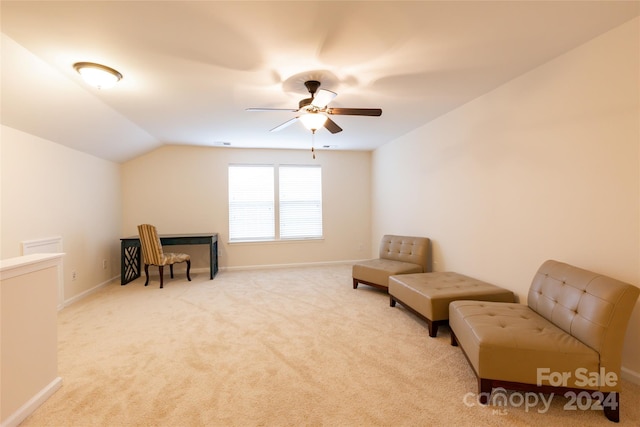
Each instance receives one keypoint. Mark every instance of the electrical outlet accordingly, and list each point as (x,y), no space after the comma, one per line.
(104,264)
(74,275)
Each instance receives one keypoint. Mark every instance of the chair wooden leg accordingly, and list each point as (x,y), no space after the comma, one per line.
(454,340)
(355,283)
(188,269)
(484,390)
(161,268)
(146,273)
(171,270)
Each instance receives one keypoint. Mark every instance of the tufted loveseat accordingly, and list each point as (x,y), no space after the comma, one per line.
(397,255)
(567,339)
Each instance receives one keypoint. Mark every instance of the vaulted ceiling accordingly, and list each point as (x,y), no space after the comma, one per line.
(191,68)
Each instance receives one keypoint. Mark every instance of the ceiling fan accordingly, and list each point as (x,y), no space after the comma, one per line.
(315,112)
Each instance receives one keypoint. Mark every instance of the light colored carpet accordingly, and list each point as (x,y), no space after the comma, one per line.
(280,347)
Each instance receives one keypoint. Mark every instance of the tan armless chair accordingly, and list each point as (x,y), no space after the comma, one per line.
(568,338)
(153,254)
(398,255)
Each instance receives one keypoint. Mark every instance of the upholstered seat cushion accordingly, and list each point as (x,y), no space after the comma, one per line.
(378,270)
(172,258)
(510,342)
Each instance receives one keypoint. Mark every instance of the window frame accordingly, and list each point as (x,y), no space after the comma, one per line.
(276,205)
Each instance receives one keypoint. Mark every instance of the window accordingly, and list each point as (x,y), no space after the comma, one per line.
(269,202)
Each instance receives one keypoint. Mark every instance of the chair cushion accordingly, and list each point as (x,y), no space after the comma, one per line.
(378,270)
(509,342)
(172,258)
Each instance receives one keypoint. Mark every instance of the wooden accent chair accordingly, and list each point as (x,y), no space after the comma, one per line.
(153,254)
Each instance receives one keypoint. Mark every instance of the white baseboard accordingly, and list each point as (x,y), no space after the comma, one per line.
(32,404)
(276,266)
(86,293)
(629,375)
(154,272)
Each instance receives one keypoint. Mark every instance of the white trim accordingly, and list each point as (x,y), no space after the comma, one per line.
(630,375)
(32,404)
(18,266)
(45,245)
(87,293)
(293,265)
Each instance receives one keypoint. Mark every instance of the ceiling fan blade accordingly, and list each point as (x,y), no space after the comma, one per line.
(322,98)
(271,109)
(332,126)
(355,111)
(284,125)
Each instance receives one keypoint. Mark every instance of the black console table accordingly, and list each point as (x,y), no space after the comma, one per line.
(130,252)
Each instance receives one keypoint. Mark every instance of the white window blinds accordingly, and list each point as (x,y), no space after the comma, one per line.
(251,203)
(300,202)
(274,202)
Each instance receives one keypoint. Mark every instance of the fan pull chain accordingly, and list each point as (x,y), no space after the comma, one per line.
(313,141)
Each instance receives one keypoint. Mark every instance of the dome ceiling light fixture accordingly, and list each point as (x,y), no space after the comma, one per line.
(313,120)
(97,75)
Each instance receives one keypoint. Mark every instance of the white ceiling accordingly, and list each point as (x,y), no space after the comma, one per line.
(192,68)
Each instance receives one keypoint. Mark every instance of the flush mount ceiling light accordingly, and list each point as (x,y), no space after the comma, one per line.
(97,75)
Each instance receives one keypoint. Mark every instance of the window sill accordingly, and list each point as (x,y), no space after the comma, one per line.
(274,241)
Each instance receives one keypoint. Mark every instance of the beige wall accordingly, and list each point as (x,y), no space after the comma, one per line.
(184,190)
(50,190)
(546,166)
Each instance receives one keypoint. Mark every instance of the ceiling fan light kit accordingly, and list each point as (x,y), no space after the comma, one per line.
(97,75)
(313,121)
(315,112)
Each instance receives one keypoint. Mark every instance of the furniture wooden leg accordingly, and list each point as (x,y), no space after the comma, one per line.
(611,406)
(188,269)
(392,302)
(484,390)
(161,268)
(355,283)
(454,340)
(433,328)
(171,270)
(146,273)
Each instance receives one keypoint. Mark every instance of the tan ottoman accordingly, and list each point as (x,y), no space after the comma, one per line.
(428,294)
